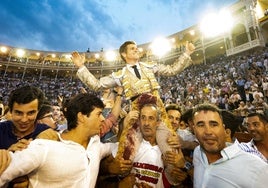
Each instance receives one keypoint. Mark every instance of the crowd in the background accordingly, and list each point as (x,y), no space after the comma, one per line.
(224,81)
(237,85)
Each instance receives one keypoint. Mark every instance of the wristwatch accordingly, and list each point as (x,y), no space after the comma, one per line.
(187,166)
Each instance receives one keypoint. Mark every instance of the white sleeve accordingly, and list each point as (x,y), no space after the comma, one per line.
(25,161)
(107,149)
(261,178)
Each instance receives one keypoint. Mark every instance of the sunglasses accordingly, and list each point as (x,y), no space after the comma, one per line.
(47,116)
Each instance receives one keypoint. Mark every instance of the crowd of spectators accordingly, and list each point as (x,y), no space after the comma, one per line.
(224,81)
(237,84)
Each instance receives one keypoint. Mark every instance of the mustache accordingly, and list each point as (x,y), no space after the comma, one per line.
(209,138)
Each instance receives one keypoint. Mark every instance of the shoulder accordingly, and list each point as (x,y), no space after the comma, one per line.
(6,125)
(46,142)
(40,128)
(120,73)
(150,64)
(197,152)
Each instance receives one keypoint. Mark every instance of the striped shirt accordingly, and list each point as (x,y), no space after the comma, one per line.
(250,147)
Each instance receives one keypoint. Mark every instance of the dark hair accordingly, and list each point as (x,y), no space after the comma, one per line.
(261,116)
(123,48)
(45,108)
(231,121)
(173,107)
(187,115)
(84,103)
(24,95)
(206,107)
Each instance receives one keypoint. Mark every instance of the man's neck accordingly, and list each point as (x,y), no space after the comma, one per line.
(213,157)
(75,136)
(263,146)
(132,62)
(152,140)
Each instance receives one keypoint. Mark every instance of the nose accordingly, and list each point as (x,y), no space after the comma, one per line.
(146,122)
(102,118)
(24,118)
(175,120)
(250,127)
(207,129)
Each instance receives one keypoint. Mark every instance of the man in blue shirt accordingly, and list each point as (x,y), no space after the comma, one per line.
(24,104)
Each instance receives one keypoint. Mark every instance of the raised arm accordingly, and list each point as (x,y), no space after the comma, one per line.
(88,78)
(112,118)
(180,64)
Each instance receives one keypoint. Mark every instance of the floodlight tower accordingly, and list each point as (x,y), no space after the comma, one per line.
(215,24)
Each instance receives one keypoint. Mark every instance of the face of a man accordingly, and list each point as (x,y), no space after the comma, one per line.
(210,132)
(149,122)
(132,54)
(174,117)
(256,128)
(23,117)
(48,120)
(56,113)
(93,121)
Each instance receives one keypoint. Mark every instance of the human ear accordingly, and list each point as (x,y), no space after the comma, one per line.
(228,135)
(124,54)
(80,117)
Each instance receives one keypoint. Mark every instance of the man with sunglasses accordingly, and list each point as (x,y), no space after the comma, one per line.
(45,116)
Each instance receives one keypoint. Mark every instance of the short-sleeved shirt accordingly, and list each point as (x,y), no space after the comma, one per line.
(7,137)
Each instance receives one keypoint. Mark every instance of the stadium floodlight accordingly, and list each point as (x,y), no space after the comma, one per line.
(110,56)
(3,49)
(160,46)
(214,24)
(20,52)
(68,56)
(97,56)
(192,32)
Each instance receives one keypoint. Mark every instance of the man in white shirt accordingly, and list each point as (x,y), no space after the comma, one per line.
(151,166)
(219,165)
(70,162)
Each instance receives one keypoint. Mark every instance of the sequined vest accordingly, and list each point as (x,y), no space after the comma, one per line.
(134,86)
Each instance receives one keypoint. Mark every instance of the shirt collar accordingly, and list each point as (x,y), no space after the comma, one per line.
(130,66)
(230,151)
